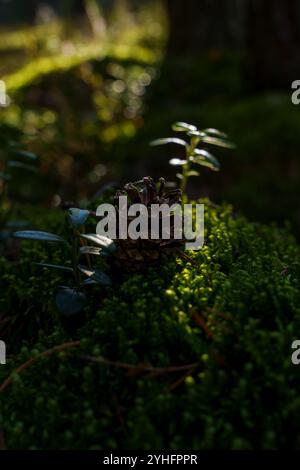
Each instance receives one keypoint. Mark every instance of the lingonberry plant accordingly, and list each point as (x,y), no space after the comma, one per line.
(193,154)
(71,298)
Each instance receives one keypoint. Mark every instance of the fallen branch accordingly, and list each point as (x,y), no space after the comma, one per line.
(200,321)
(181,379)
(152,371)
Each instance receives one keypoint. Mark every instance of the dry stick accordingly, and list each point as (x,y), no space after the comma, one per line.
(149,369)
(32,360)
(199,320)
(181,379)
(100,360)
(226,316)
(187,257)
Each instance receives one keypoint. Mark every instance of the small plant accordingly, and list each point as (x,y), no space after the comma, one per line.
(71,298)
(193,154)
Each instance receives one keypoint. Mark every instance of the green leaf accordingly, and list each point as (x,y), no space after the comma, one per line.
(215,132)
(204,158)
(101,278)
(193,173)
(100,240)
(70,301)
(95,276)
(40,236)
(183,127)
(197,134)
(78,216)
(90,250)
(218,142)
(25,154)
(22,166)
(90,282)
(177,162)
(168,140)
(85,270)
(55,266)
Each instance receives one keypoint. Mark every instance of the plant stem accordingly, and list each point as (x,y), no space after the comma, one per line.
(183,181)
(186,168)
(75,258)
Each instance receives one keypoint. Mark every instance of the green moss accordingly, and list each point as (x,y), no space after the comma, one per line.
(233,309)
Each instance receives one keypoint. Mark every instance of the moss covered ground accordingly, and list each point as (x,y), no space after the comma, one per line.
(195,353)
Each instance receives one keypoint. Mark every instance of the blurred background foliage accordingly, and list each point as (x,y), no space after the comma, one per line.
(90,83)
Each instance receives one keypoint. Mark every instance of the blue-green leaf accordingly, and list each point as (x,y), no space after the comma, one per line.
(168,140)
(215,132)
(95,276)
(177,162)
(25,154)
(218,142)
(204,158)
(90,250)
(198,134)
(40,236)
(183,127)
(90,282)
(22,166)
(70,301)
(193,173)
(100,240)
(78,217)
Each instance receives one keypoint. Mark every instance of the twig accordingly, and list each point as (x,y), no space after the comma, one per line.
(187,257)
(181,379)
(142,368)
(201,322)
(32,360)
(226,316)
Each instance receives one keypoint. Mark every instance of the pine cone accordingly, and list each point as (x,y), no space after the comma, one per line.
(135,255)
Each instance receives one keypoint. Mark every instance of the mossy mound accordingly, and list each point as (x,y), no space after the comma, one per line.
(224,317)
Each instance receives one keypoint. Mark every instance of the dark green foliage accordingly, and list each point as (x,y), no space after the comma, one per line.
(70,299)
(232,308)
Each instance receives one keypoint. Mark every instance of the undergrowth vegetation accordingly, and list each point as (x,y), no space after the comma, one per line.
(194,353)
